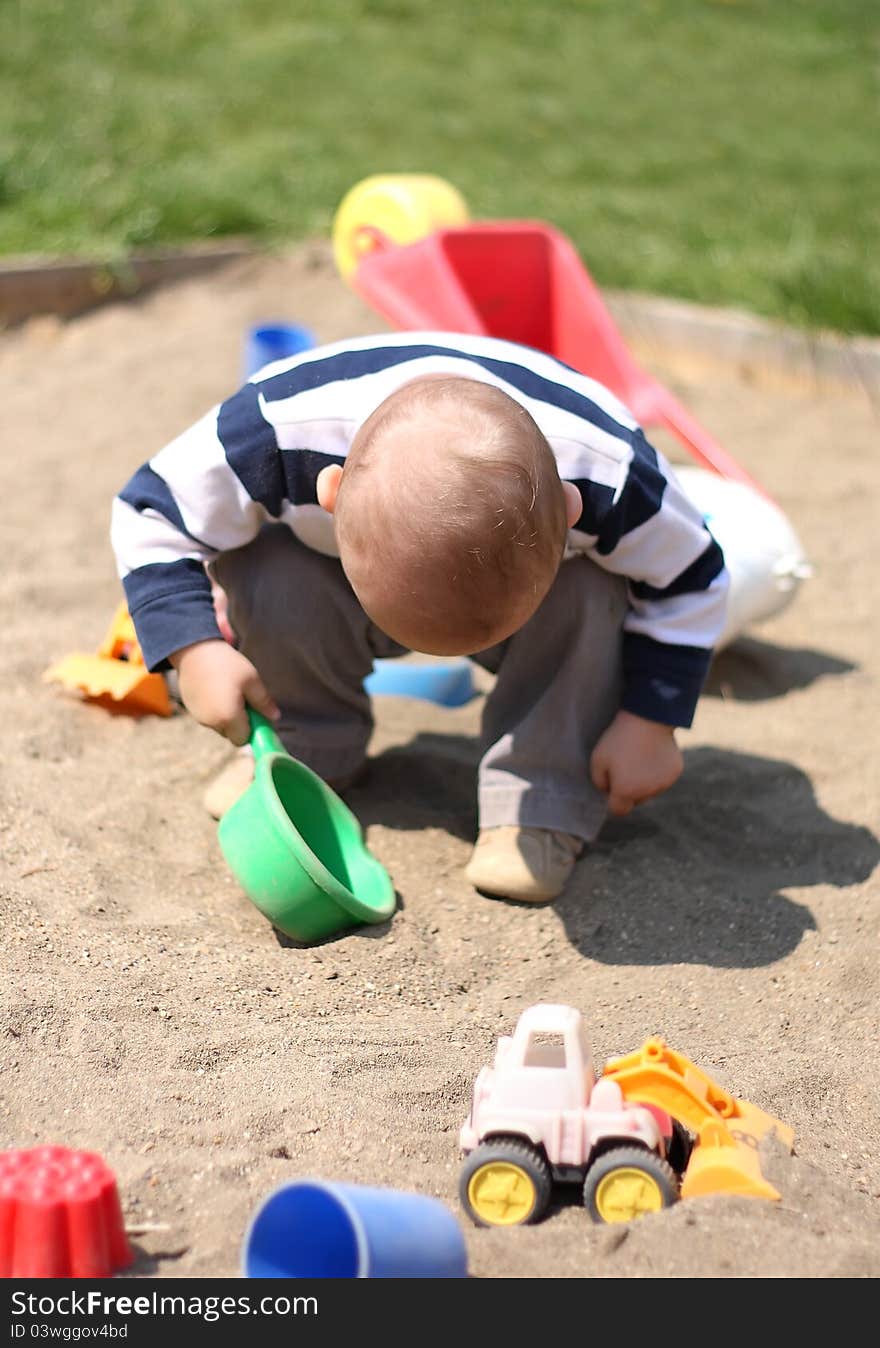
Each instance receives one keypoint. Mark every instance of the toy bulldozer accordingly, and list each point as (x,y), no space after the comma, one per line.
(648,1129)
(115,676)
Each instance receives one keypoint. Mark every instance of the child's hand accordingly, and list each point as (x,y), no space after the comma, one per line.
(216,682)
(634,760)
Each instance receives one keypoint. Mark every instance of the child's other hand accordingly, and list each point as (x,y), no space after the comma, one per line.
(216,682)
(634,760)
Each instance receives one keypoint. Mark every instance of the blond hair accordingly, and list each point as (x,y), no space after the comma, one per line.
(450,515)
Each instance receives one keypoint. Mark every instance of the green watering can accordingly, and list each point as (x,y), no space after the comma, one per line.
(297,849)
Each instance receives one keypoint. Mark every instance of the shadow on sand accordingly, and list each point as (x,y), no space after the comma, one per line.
(755,671)
(697,876)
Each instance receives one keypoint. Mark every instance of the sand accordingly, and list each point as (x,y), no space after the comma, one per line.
(149,1012)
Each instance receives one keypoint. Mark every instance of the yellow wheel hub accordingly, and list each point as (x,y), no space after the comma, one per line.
(501,1193)
(626,1193)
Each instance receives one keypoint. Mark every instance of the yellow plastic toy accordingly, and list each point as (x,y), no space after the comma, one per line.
(398,208)
(115,676)
(728,1131)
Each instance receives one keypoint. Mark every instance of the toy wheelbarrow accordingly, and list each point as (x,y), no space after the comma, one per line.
(406,244)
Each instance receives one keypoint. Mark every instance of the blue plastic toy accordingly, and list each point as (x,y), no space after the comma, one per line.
(449,683)
(274,341)
(316,1229)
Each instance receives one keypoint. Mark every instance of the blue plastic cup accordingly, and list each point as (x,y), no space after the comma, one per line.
(274,341)
(318,1229)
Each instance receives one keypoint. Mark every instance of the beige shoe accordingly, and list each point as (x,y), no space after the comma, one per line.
(529,864)
(233,780)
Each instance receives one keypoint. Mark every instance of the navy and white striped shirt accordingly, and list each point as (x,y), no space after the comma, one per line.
(256,457)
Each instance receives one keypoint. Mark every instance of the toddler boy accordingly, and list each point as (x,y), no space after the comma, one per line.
(453,495)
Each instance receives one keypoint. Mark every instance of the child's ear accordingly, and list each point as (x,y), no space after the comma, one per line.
(327,486)
(573,504)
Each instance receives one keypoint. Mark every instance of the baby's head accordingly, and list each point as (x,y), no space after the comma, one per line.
(450,515)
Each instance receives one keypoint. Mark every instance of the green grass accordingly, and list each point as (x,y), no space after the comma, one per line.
(718,150)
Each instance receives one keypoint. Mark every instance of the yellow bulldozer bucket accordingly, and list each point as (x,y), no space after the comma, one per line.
(115,676)
(725,1161)
(728,1131)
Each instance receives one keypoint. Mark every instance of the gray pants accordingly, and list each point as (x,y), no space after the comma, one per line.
(557,687)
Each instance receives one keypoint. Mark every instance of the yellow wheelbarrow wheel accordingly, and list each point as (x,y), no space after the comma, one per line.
(505,1182)
(397,208)
(628,1182)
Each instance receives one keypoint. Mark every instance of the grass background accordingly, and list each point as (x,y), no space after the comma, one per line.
(719,150)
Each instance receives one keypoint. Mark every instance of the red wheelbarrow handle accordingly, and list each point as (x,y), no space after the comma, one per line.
(668,412)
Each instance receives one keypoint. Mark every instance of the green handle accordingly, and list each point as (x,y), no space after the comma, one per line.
(263,738)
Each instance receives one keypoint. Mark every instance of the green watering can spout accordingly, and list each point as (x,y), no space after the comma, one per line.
(298,851)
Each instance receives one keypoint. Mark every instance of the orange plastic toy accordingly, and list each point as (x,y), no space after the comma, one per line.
(115,676)
(728,1131)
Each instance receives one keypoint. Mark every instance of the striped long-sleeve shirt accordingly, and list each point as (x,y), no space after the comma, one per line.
(256,457)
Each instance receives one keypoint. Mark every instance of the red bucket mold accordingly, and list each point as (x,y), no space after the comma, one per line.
(60,1215)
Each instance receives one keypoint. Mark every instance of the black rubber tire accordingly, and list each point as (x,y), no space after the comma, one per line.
(681,1144)
(516,1152)
(630,1158)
